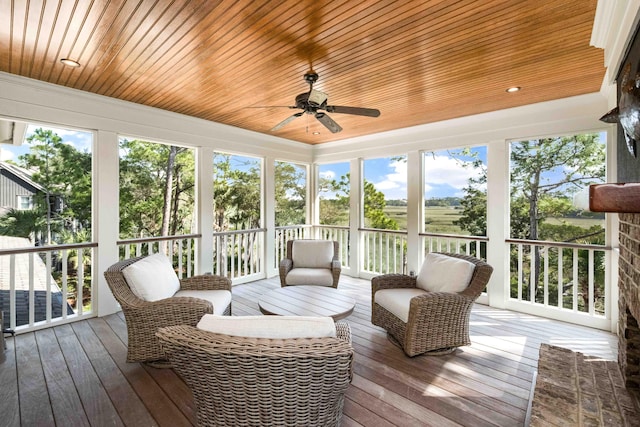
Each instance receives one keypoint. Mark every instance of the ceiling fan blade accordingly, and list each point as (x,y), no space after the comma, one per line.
(328,122)
(286,121)
(369,112)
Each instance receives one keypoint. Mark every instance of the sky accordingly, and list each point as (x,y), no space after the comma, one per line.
(444,176)
(82,141)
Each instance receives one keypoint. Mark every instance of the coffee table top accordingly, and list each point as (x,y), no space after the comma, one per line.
(303,300)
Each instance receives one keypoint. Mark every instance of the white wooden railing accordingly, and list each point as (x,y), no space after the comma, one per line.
(39,285)
(383,251)
(562,277)
(238,254)
(469,245)
(180,249)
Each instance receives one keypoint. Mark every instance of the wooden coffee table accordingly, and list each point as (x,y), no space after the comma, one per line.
(304,300)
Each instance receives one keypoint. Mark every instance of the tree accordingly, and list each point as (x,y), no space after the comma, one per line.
(65,173)
(236,190)
(29,224)
(290,194)
(156,189)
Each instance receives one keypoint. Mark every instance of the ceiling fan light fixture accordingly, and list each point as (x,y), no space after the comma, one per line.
(513,89)
(70,62)
(316,97)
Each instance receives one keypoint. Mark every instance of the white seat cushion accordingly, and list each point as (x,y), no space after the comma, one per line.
(397,301)
(309,276)
(442,273)
(220,298)
(279,327)
(152,278)
(312,253)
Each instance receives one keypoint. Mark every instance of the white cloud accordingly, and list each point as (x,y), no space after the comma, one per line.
(327,174)
(445,170)
(6,155)
(394,186)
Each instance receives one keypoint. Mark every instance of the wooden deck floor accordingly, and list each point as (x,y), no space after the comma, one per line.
(75,375)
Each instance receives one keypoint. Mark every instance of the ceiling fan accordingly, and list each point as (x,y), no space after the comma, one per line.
(314,103)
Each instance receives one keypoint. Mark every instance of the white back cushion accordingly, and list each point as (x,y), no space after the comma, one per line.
(279,327)
(152,278)
(312,253)
(442,273)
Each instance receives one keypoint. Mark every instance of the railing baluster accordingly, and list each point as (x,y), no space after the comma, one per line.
(560,278)
(546,275)
(48,315)
(575,280)
(64,279)
(12,291)
(80,284)
(32,296)
(520,271)
(592,294)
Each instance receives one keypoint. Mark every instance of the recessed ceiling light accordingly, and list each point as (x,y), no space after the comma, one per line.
(514,89)
(316,133)
(70,62)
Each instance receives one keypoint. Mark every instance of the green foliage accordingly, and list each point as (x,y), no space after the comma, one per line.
(29,224)
(143,178)
(290,193)
(236,193)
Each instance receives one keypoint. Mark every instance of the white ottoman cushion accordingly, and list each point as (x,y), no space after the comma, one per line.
(278,327)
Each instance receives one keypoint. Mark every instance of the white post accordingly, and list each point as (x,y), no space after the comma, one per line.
(204,210)
(356,196)
(106,215)
(269,215)
(498,220)
(415,211)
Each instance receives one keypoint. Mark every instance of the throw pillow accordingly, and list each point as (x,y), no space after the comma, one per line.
(152,278)
(442,273)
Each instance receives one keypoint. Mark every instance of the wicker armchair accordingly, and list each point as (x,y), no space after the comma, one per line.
(438,322)
(293,273)
(143,318)
(239,381)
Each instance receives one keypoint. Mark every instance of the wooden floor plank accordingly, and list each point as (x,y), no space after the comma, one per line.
(157,402)
(65,402)
(95,400)
(130,408)
(35,407)
(9,402)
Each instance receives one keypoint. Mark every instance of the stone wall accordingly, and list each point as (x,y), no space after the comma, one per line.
(629,301)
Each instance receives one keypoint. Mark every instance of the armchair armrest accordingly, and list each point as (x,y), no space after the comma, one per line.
(440,307)
(392,281)
(285,267)
(343,331)
(172,311)
(336,265)
(205,282)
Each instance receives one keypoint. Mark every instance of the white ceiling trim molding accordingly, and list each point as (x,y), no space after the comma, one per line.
(29,100)
(563,116)
(613,26)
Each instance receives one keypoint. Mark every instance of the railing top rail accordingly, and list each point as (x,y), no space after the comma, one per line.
(379,230)
(48,248)
(455,236)
(339,227)
(558,244)
(158,239)
(251,230)
(293,227)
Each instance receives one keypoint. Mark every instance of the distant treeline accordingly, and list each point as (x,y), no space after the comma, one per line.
(435,201)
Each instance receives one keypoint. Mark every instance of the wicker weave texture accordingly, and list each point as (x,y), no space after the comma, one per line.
(437,320)
(143,318)
(286,265)
(262,382)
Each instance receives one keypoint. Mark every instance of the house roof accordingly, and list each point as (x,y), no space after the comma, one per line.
(24,175)
(416,61)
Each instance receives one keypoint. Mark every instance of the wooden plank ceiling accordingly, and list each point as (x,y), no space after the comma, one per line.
(416,61)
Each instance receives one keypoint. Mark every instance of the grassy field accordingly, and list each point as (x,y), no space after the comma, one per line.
(440,219)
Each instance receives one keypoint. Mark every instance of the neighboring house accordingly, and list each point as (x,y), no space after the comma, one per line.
(17,189)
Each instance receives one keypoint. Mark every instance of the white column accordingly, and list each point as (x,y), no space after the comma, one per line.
(269,215)
(106,216)
(356,241)
(204,212)
(498,219)
(415,217)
